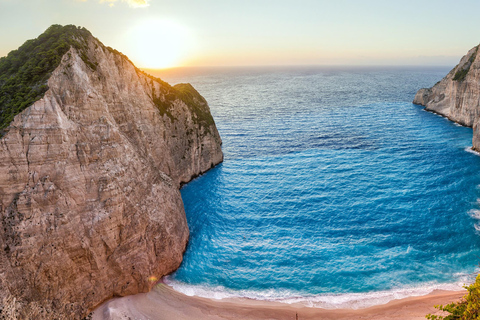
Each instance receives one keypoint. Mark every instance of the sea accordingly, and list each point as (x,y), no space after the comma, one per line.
(335,191)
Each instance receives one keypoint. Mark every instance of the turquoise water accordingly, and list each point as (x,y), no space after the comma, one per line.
(336,190)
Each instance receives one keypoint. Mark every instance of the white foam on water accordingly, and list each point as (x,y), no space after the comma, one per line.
(474,213)
(469,149)
(325,301)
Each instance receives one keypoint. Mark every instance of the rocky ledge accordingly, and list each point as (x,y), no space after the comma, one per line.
(457,96)
(90,170)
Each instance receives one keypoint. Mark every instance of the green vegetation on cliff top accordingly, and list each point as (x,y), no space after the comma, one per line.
(461,74)
(24,72)
(185,92)
(196,102)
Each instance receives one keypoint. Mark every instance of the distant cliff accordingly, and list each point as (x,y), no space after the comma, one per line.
(457,96)
(91,159)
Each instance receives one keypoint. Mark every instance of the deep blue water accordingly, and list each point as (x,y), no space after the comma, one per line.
(335,190)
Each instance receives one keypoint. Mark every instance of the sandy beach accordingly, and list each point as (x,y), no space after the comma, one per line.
(164,303)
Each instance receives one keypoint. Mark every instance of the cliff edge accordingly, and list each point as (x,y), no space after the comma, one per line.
(457,96)
(92,156)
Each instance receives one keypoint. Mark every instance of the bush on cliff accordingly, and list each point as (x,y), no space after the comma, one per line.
(468,308)
(461,74)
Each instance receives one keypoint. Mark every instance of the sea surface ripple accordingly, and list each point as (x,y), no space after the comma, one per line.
(336,191)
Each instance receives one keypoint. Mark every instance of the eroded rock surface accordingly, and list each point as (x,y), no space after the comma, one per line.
(89,184)
(457,96)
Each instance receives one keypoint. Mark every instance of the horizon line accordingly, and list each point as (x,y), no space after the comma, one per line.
(302,66)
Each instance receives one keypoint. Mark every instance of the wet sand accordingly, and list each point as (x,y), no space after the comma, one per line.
(163,303)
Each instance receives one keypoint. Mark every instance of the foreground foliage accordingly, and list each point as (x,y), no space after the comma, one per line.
(468,308)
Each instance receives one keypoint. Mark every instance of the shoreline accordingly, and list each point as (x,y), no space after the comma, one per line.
(164,303)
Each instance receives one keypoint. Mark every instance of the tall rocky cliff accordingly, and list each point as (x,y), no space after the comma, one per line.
(90,206)
(457,96)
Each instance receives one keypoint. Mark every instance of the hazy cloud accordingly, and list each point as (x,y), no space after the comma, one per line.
(131,3)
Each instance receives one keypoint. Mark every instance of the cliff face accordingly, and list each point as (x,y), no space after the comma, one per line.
(457,96)
(89,179)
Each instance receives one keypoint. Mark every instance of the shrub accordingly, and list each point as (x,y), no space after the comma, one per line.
(460,75)
(468,308)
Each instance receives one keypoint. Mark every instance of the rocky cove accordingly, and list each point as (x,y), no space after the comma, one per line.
(90,175)
(457,95)
(90,172)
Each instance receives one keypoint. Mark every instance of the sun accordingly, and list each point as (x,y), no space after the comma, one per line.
(157,44)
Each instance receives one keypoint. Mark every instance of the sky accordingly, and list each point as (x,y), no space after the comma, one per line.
(161,33)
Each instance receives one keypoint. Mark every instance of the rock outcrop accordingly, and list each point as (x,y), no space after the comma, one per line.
(90,206)
(457,96)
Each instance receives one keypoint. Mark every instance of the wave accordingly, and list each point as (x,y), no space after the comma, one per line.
(475,213)
(470,149)
(324,301)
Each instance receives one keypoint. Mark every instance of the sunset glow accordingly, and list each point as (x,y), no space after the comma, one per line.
(158,44)
(183,33)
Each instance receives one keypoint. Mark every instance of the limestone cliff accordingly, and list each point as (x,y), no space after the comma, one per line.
(89,179)
(457,96)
